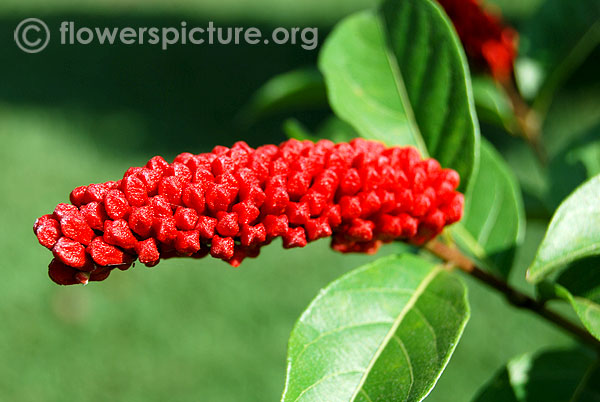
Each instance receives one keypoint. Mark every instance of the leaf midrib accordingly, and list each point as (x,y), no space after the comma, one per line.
(392,332)
(584,381)
(540,270)
(401,88)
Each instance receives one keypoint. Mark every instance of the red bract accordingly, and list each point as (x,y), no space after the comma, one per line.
(486,40)
(232,201)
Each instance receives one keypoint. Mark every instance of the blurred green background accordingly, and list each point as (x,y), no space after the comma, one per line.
(184,330)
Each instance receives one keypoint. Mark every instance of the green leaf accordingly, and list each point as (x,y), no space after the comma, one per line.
(514,9)
(400,76)
(570,135)
(589,156)
(296,130)
(298,89)
(492,103)
(576,112)
(494,221)
(580,286)
(382,332)
(573,166)
(588,312)
(336,130)
(332,129)
(552,376)
(553,43)
(574,232)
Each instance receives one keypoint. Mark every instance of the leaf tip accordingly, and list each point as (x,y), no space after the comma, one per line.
(531,278)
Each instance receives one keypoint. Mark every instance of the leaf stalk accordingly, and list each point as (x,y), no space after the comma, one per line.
(515,297)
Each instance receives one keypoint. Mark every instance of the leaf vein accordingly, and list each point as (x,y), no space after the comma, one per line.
(338,330)
(327,377)
(418,292)
(407,357)
(430,327)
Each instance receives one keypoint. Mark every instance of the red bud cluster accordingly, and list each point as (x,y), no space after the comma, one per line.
(486,40)
(232,201)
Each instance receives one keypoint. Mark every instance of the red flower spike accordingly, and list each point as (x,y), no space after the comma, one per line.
(316,201)
(70,252)
(147,251)
(62,274)
(238,257)
(193,197)
(350,207)
(222,164)
(171,188)
(298,212)
(187,242)
(135,191)
(246,212)
(361,230)
(150,178)
(63,210)
(252,195)
(298,184)
(47,231)
(186,218)
(94,214)
(116,204)
(435,221)
(253,235)
(118,233)
(276,225)
(409,225)
(334,216)
(183,158)
(233,201)
(141,220)
(369,203)
(203,176)
(206,226)
(74,226)
(227,224)
(158,164)
(318,228)
(165,230)
(42,220)
(160,207)
(220,196)
(100,274)
(486,40)
(294,237)
(77,196)
(350,183)
(454,209)
(104,254)
(389,226)
(95,192)
(82,277)
(276,200)
(421,205)
(222,247)
(180,171)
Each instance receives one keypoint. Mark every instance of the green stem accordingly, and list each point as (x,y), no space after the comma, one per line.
(514,296)
(528,120)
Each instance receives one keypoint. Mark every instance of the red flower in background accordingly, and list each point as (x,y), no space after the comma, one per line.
(232,201)
(485,39)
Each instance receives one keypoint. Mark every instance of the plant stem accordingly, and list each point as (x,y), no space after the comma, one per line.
(528,120)
(515,297)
